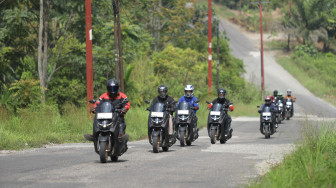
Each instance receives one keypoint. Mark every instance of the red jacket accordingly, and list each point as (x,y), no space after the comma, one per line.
(121,96)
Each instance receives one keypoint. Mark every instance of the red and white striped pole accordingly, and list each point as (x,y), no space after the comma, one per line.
(89,66)
(209,47)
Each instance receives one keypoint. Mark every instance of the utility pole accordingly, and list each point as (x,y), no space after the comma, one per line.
(116,58)
(89,66)
(118,48)
(209,46)
(261,53)
(261,49)
(218,54)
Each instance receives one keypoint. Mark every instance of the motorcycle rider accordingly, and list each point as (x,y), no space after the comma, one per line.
(289,95)
(268,102)
(113,94)
(167,100)
(274,96)
(281,98)
(190,98)
(221,93)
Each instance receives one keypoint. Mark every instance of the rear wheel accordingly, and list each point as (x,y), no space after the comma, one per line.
(188,143)
(165,148)
(182,138)
(222,141)
(114,158)
(213,135)
(156,144)
(103,148)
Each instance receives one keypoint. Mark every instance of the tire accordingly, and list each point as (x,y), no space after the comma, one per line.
(165,148)
(156,144)
(188,143)
(182,138)
(102,152)
(267,133)
(213,135)
(222,141)
(114,158)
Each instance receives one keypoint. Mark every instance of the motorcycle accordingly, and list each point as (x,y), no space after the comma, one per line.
(106,130)
(158,125)
(216,120)
(185,120)
(289,108)
(280,114)
(266,121)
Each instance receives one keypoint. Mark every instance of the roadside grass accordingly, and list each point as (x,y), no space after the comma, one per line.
(317,74)
(312,164)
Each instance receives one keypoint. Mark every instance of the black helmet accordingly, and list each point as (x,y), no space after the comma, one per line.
(162,90)
(221,93)
(112,87)
(275,92)
(268,100)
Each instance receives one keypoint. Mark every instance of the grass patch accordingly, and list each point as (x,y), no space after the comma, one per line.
(316,73)
(312,164)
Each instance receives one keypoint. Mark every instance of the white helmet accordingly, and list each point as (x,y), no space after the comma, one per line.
(189,91)
(289,92)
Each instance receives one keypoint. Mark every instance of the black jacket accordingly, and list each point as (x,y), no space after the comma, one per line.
(167,101)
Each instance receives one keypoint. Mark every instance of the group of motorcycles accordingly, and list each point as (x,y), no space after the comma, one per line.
(107,119)
(270,118)
(184,128)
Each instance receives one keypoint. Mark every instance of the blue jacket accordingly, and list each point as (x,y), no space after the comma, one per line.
(191,102)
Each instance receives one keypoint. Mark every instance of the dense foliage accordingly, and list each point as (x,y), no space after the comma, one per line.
(164,42)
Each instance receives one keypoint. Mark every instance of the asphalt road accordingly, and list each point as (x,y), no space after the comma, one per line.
(203,164)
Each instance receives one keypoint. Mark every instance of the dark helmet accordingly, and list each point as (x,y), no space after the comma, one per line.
(112,87)
(268,101)
(275,92)
(221,93)
(162,90)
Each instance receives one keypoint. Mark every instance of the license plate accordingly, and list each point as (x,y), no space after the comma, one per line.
(183,112)
(266,113)
(104,116)
(215,113)
(157,114)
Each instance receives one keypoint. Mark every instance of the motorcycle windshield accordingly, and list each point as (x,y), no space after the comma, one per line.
(158,107)
(289,100)
(183,106)
(217,107)
(105,107)
(267,109)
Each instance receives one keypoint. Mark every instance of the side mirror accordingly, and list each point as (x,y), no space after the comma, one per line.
(147,102)
(197,101)
(92,101)
(258,106)
(147,109)
(208,102)
(174,102)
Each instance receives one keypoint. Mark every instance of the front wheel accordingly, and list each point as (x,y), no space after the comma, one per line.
(213,135)
(182,138)
(103,148)
(156,144)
